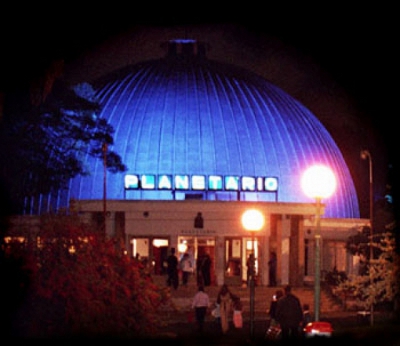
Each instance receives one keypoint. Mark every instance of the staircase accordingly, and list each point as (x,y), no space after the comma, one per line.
(181,299)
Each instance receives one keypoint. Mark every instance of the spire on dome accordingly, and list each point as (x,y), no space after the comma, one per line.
(185,48)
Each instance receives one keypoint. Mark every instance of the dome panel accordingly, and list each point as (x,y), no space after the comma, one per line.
(196,116)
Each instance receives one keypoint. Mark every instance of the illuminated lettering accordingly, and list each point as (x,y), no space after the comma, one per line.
(131,181)
(248,184)
(231,183)
(148,182)
(165,182)
(198,182)
(215,182)
(260,184)
(271,184)
(182,182)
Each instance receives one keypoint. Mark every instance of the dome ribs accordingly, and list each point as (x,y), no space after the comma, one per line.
(197,116)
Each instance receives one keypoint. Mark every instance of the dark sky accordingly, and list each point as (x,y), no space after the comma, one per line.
(354,44)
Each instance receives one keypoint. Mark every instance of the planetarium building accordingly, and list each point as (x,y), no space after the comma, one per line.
(206,139)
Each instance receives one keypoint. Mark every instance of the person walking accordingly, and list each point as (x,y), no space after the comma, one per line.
(289,314)
(172,270)
(272,264)
(272,308)
(200,304)
(251,268)
(205,269)
(224,300)
(187,269)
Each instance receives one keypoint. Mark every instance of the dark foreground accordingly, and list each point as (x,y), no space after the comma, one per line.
(346,330)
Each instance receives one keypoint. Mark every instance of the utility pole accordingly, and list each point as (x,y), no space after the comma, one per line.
(104,148)
(365,154)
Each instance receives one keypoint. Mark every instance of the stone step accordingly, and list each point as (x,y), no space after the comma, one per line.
(181,298)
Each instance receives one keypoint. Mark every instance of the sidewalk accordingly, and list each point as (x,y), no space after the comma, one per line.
(181,300)
(346,328)
(179,326)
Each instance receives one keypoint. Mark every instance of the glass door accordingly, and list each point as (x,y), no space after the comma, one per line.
(233,261)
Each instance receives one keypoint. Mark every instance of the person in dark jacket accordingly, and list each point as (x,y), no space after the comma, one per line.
(289,314)
(272,307)
(204,270)
(172,270)
(272,265)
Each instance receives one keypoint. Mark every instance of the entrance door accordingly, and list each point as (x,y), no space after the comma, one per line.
(152,252)
(233,261)
(197,247)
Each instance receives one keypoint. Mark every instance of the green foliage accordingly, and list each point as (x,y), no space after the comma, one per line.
(335,277)
(82,286)
(358,244)
(380,283)
(47,143)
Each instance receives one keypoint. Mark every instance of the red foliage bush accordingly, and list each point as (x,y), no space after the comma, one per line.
(83,285)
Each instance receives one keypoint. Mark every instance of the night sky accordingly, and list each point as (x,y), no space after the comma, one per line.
(349,51)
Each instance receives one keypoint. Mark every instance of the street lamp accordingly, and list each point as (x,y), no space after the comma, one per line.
(365,154)
(253,221)
(318,182)
(104,148)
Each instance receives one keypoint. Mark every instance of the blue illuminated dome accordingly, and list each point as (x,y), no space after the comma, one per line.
(186,114)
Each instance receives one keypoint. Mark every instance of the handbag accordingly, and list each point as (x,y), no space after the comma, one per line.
(273,333)
(216,313)
(237,319)
(190,316)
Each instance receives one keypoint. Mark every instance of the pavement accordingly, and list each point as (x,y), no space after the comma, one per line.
(348,326)
(344,331)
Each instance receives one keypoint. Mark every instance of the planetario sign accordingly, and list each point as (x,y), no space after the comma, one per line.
(200,182)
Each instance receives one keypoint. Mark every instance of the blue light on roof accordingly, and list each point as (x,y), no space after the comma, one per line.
(203,117)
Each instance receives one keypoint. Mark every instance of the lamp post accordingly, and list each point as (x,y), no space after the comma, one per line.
(318,182)
(253,221)
(104,148)
(365,154)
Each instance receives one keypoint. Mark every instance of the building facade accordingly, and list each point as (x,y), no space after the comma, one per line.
(201,136)
(150,229)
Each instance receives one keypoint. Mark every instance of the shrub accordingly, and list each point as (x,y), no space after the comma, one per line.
(83,285)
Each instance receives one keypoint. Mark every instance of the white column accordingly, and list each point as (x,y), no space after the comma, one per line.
(285,250)
(174,242)
(265,259)
(219,260)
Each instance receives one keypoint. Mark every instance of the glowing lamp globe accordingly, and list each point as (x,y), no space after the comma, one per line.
(253,220)
(318,182)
